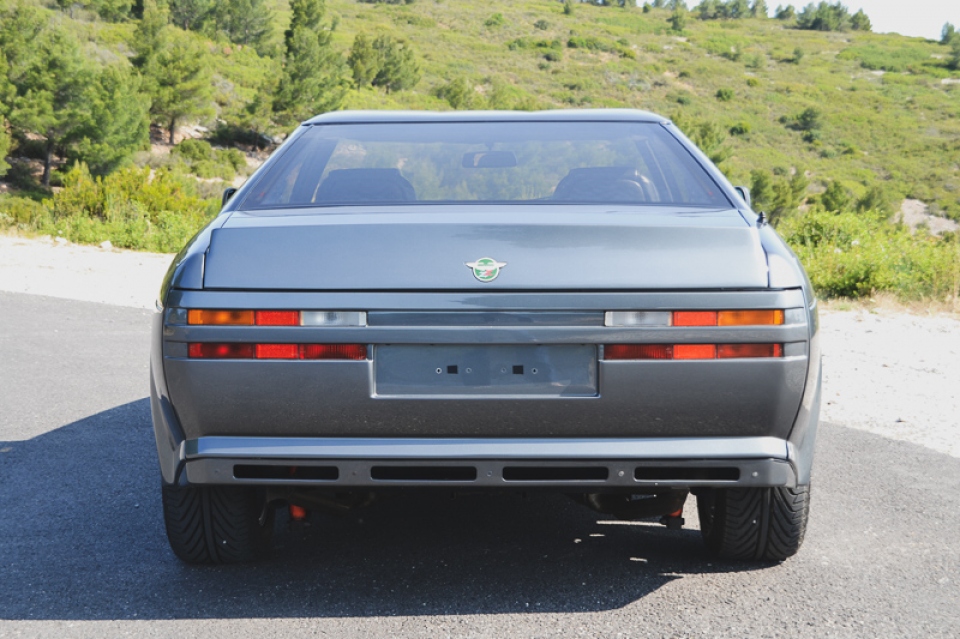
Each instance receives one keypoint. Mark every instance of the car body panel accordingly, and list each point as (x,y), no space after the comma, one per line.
(542,249)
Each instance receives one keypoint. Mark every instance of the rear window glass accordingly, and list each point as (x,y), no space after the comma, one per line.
(632,163)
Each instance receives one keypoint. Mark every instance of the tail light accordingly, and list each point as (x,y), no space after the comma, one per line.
(216,350)
(694,318)
(204,317)
(690,351)
(223,317)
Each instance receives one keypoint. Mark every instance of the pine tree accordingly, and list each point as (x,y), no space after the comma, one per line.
(946,34)
(118,125)
(178,79)
(7,93)
(307,14)
(761,190)
(147,38)
(678,19)
(244,22)
(860,22)
(51,78)
(738,9)
(759,9)
(313,72)
(191,15)
(786,13)
(706,10)
(398,68)
(363,60)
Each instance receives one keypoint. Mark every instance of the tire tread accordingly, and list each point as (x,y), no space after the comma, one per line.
(215,524)
(759,524)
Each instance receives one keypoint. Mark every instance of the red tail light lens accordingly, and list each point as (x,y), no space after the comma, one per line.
(733,351)
(694,351)
(278,351)
(694,318)
(638,351)
(212,350)
(333,351)
(278,318)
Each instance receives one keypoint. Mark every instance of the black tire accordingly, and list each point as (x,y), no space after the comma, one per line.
(759,524)
(217,524)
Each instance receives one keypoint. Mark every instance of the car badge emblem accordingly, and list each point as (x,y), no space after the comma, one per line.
(486,269)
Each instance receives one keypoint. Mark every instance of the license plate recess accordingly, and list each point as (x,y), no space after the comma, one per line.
(555,370)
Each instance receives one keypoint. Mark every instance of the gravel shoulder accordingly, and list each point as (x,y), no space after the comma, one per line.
(886,370)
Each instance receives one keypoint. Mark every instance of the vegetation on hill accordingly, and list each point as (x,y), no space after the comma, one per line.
(808,107)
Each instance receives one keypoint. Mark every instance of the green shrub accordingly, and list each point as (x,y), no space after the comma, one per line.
(724,95)
(835,198)
(22,212)
(130,207)
(859,254)
(496,20)
(206,162)
(543,25)
(459,94)
(740,128)
(386,62)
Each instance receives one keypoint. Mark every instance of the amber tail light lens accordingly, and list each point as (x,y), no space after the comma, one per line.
(749,318)
(204,317)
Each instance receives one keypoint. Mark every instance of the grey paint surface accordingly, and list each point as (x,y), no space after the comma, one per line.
(639,399)
(84,555)
(427,250)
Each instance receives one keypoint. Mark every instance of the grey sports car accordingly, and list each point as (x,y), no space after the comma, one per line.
(575,301)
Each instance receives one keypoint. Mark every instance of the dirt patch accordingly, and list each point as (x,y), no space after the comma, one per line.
(914,214)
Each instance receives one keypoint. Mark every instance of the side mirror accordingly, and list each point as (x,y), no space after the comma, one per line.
(745,194)
(227,194)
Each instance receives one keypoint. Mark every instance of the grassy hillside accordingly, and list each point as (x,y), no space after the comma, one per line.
(888,117)
(852,117)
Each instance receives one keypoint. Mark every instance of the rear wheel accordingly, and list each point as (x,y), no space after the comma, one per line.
(217,524)
(761,524)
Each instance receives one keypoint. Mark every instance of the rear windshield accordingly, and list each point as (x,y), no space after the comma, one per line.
(624,163)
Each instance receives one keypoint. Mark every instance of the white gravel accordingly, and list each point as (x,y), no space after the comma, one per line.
(57,268)
(890,372)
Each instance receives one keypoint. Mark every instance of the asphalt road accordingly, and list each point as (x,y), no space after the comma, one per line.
(83,553)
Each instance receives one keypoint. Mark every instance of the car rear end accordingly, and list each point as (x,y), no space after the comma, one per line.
(626,352)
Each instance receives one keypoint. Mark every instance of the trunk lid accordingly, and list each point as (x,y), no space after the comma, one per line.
(428,248)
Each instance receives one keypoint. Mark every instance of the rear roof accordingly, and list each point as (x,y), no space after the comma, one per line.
(559,115)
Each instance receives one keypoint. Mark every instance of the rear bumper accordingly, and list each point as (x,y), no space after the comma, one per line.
(755,420)
(563,464)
